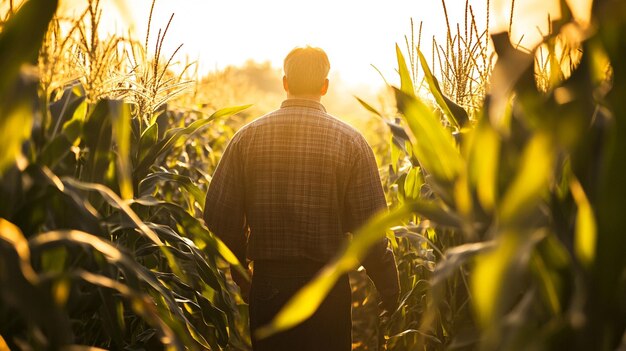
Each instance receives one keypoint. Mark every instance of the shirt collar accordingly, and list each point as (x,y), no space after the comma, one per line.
(303,103)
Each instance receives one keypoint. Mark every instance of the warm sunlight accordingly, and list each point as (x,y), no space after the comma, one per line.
(355,34)
(164,185)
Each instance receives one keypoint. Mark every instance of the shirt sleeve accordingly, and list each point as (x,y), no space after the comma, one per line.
(224,206)
(364,198)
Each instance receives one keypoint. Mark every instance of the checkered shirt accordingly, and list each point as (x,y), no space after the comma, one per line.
(291,184)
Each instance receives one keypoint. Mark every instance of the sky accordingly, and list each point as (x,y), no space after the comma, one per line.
(355,33)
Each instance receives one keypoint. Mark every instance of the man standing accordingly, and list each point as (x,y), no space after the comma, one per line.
(289,188)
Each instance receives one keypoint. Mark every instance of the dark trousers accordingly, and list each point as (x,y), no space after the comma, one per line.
(273,284)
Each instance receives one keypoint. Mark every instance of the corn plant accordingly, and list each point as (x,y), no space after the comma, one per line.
(94,250)
(534,190)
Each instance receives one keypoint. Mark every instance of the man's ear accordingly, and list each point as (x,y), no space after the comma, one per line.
(285,84)
(324,87)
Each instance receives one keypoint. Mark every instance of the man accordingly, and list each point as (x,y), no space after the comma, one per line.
(288,189)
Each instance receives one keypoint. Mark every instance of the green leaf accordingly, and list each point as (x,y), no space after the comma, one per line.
(498,274)
(413,184)
(214,316)
(58,149)
(114,200)
(135,274)
(531,182)
(585,235)
(483,161)
(97,138)
(21,38)
(10,233)
(147,140)
(143,306)
(15,127)
(368,107)
(173,136)
(121,121)
(433,85)
(228,111)
(148,184)
(55,151)
(488,277)
(406,84)
(457,256)
(195,230)
(304,303)
(64,109)
(434,147)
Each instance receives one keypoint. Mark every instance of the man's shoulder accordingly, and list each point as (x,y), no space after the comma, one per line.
(311,118)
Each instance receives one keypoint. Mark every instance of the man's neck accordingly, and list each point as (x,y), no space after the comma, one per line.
(317,98)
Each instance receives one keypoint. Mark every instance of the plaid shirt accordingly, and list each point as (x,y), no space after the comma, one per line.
(298,179)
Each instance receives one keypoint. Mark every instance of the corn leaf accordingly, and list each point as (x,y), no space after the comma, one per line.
(148,184)
(368,107)
(438,94)
(10,233)
(304,303)
(406,84)
(483,159)
(585,236)
(97,137)
(531,181)
(173,136)
(434,147)
(121,121)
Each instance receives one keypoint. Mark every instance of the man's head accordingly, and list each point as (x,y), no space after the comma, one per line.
(306,71)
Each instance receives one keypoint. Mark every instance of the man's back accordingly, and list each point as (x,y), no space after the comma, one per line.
(297,165)
(288,188)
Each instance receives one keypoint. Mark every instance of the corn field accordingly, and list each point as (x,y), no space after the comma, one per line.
(504,170)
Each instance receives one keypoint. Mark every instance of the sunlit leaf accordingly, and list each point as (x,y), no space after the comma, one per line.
(489,275)
(97,136)
(548,284)
(228,111)
(437,93)
(483,159)
(462,196)
(120,115)
(585,235)
(149,183)
(61,291)
(148,138)
(368,107)
(413,184)
(434,147)
(173,137)
(21,38)
(140,303)
(406,84)
(306,301)
(194,229)
(497,274)
(135,277)
(63,110)
(15,127)
(457,256)
(3,344)
(531,181)
(81,348)
(116,201)
(10,233)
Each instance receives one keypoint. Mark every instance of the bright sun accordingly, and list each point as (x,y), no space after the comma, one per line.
(355,33)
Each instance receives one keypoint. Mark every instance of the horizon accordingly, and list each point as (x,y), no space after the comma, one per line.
(353,43)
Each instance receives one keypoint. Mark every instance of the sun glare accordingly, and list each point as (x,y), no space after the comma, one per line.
(355,34)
